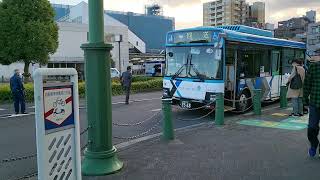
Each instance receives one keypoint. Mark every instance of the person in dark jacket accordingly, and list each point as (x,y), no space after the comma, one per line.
(126,79)
(17,91)
(311,97)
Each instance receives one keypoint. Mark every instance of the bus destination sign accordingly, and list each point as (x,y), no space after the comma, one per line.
(190,37)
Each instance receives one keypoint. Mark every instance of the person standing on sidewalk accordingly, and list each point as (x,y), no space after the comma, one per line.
(17,91)
(295,84)
(312,98)
(126,80)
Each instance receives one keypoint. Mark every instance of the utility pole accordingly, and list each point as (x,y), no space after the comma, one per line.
(100,156)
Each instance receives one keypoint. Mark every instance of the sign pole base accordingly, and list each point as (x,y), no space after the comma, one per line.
(101,163)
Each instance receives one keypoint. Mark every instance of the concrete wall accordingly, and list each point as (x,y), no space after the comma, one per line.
(73,35)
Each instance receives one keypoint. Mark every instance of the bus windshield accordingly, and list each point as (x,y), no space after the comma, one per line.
(202,62)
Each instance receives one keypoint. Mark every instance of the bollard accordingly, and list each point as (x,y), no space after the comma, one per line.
(257,101)
(283,97)
(168,133)
(219,115)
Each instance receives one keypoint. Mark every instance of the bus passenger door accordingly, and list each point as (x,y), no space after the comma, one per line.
(276,76)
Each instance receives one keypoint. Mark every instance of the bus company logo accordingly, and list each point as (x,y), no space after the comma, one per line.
(57,105)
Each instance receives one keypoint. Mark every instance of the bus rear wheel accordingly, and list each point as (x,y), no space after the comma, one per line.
(244,102)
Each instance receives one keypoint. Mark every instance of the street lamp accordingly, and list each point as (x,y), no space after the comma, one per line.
(100,156)
(118,38)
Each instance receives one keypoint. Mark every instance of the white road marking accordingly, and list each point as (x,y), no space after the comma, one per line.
(2,109)
(156,110)
(16,115)
(31,107)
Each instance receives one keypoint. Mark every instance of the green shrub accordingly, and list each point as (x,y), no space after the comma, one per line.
(144,85)
(5,94)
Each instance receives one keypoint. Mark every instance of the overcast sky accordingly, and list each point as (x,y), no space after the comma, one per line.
(188,13)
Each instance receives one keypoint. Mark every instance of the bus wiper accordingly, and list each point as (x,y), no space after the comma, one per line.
(178,72)
(181,69)
(199,41)
(199,75)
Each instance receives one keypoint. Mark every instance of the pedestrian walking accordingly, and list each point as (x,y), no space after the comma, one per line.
(295,84)
(17,91)
(126,80)
(311,97)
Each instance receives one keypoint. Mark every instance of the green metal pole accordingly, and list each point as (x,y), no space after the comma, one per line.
(100,156)
(219,116)
(283,97)
(257,101)
(168,133)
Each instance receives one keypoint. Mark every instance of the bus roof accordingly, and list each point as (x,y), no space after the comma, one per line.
(232,35)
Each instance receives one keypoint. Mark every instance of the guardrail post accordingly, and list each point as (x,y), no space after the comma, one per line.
(168,133)
(283,97)
(219,114)
(257,101)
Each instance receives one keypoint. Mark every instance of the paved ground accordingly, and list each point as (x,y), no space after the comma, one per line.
(233,151)
(17,134)
(201,153)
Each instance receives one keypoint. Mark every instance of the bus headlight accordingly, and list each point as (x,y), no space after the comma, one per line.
(165,92)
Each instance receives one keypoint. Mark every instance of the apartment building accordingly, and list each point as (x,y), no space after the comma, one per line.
(225,12)
(313,39)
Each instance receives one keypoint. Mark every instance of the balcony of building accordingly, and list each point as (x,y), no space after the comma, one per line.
(220,10)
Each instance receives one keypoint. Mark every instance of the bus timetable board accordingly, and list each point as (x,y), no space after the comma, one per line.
(191,36)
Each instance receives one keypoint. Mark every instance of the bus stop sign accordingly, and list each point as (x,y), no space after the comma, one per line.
(57,124)
(58,107)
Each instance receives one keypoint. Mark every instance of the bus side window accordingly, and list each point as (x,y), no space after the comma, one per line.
(287,57)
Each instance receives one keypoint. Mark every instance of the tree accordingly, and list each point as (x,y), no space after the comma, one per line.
(28,32)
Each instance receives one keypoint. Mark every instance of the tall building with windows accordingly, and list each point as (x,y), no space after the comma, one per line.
(225,12)
(258,11)
(313,39)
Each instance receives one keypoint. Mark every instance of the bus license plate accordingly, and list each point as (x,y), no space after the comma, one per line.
(185,104)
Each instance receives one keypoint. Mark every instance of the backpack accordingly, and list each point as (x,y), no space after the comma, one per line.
(296,82)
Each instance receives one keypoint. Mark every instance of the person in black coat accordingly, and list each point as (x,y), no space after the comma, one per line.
(126,80)
(17,91)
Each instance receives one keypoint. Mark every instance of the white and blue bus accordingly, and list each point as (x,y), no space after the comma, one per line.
(234,60)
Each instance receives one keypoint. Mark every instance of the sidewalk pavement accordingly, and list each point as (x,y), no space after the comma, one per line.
(274,149)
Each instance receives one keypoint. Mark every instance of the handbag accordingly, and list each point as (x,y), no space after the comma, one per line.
(296,81)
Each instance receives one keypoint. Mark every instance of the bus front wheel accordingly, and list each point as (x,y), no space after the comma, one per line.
(244,101)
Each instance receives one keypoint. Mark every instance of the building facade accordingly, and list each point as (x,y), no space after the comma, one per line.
(312,16)
(258,11)
(293,29)
(313,39)
(256,16)
(225,12)
(152,29)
